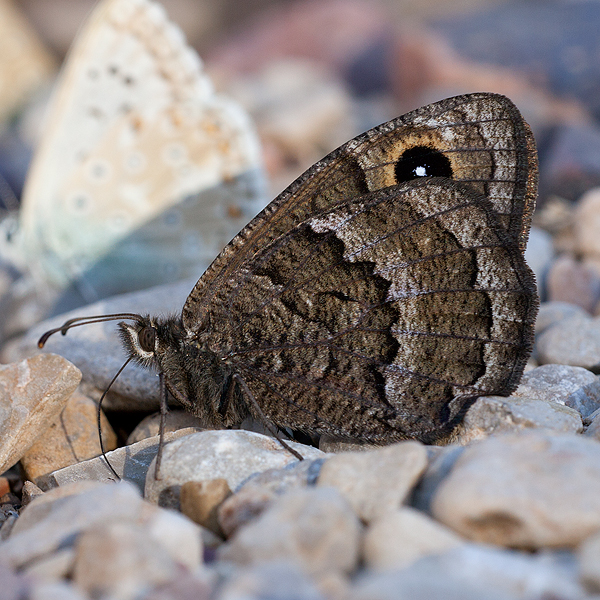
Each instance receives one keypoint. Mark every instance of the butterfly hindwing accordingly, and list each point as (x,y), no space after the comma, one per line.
(381,317)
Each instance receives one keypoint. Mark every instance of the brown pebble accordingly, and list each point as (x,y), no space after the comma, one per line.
(200,500)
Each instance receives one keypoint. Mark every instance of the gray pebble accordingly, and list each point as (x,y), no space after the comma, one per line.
(315,528)
(233,455)
(573,341)
(534,489)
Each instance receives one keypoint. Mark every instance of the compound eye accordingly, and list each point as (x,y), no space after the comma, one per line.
(147,339)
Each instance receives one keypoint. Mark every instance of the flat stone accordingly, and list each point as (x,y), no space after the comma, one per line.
(573,341)
(314,528)
(200,500)
(130,462)
(175,419)
(535,489)
(498,414)
(13,585)
(55,590)
(399,538)
(574,387)
(441,462)
(480,572)
(37,511)
(120,560)
(233,455)
(71,438)
(33,393)
(259,491)
(376,481)
(589,563)
(60,520)
(278,579)
(97,349)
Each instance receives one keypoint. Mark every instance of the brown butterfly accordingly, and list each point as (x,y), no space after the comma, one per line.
(375,298)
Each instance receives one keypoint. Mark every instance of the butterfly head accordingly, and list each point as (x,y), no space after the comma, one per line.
(146,339)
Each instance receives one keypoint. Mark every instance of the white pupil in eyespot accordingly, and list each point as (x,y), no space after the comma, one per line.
(421,172)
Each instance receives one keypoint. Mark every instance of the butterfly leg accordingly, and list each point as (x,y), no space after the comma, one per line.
(250,396)
(164,408)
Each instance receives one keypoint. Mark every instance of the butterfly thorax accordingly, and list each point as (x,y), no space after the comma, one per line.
(195,375)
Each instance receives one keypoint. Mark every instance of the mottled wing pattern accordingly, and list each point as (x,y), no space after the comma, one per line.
(378,309)
(484,138)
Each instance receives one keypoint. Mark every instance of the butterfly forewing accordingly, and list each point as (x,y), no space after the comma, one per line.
(480,140)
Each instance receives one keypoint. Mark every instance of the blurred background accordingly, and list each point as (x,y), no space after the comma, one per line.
(314,73)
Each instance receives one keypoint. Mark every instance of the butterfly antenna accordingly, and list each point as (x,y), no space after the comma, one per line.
(99,414)
(78,321)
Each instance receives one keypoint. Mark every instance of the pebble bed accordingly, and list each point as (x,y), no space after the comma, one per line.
(509,511)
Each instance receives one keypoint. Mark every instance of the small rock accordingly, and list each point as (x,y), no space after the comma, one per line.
(475,571)
(232,455)
(589,561)
(570,166)
(277,579)
(534,489)
(177,534)
(58,520)
(33,392)
(29,492)
(573,341)
(259,491)
(188,586)
(441,461)
(497,414)
(416,585)
(587,223)
(200,500)
(574,387)
(175,419)
(551,313)
(573,281)
(71,438)
(38,510)
(376,481)
(130,462)
(120,560)
(97,350)
(54,567)
(314,528)
(14,586)
(593,429)
(399,538)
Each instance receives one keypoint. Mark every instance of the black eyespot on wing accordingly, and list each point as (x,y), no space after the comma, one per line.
(422,161)
(147,339)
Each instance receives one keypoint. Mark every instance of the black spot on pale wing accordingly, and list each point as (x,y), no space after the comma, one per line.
(422,161)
